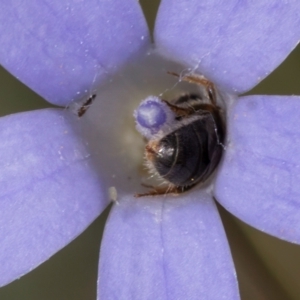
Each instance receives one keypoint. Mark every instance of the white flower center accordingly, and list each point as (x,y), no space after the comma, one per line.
(109,126)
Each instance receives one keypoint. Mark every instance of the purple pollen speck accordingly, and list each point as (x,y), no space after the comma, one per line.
(151,115)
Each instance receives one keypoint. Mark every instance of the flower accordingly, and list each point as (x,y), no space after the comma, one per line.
(50,188)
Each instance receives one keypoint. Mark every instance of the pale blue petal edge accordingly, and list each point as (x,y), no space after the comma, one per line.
(49,192)
(64,49)
(234,43)
(166,248)
(259,179)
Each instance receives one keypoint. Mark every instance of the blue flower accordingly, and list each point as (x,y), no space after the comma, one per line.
(51,185)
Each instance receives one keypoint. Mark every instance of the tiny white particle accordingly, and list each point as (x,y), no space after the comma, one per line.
(113,194)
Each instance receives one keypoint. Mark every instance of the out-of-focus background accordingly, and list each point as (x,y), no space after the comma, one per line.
(267,268)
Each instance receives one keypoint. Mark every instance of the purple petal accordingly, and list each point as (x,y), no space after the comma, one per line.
(259,179)
(61,49)
(234,43)
(168,248)
(49,191)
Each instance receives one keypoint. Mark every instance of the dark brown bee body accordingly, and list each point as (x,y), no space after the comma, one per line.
(188,154)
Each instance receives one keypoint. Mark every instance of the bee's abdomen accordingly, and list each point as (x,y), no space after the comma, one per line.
(189,154)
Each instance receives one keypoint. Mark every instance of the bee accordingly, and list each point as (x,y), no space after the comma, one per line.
(188,153)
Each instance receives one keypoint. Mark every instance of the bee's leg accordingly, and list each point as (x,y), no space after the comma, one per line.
(179,111)
(170,189)
(156,191)
(200,80)
(149,186)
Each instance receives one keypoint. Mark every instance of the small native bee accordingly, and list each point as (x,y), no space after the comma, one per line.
(190,151)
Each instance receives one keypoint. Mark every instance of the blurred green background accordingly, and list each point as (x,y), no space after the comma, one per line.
(267,268)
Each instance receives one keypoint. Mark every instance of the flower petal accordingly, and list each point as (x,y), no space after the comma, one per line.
(60,49)
(49,191)
(259,179)
(168,248)
(234,43)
